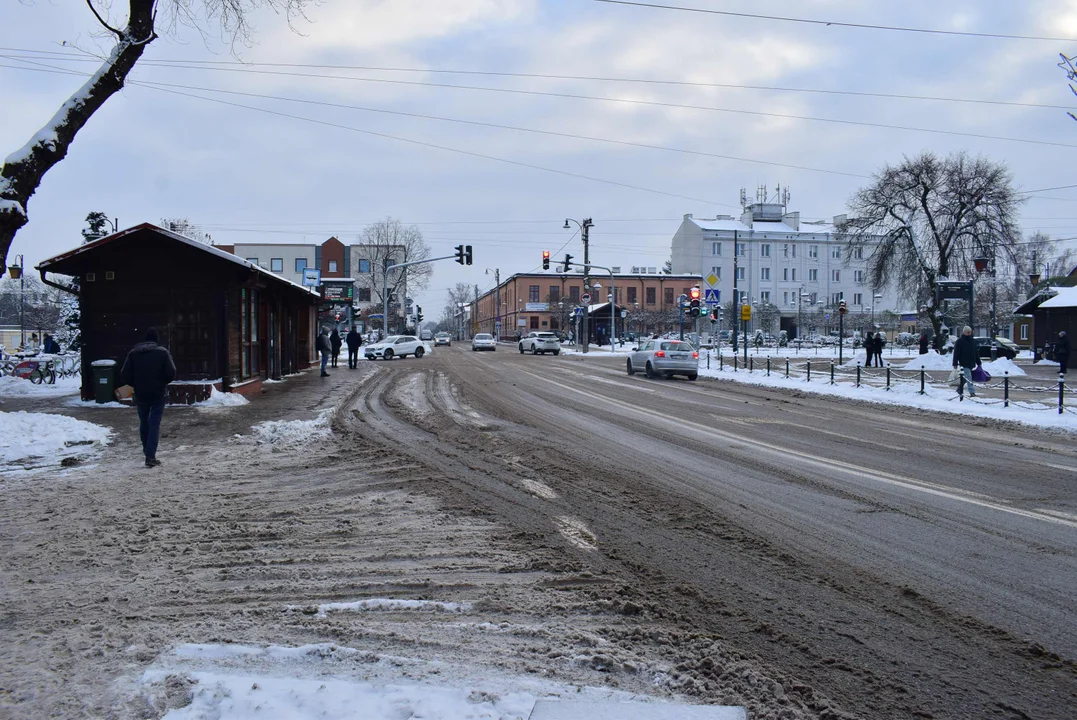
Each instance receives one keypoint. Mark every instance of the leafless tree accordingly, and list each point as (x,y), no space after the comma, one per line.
(1067,66)
(561,309)
(1042,255)
(458,295)
(925,220)
(184,227)
(24,170)
(389,242)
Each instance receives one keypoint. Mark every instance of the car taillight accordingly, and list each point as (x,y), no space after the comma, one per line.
(660,353)
(695,356)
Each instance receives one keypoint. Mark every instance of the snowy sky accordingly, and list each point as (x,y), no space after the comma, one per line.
(246,175)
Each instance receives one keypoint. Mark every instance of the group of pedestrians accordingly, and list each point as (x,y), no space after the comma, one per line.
(329,345)
(873,346)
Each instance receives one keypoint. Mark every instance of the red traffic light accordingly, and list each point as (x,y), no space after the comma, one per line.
(545,259)
(545,254)
(695,293)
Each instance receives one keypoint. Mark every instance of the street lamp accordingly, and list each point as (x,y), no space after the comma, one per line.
(801,297)
(17,272)
(875,298)
(585,227)
(986,263)
(596,287)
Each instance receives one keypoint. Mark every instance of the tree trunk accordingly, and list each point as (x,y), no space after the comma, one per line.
(24,169)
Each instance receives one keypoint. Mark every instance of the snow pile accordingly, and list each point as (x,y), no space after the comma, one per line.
(338,683)
(1045,363)
(218,399)
(385,604)
(860,358)
(931,361)
(293,432)
(1002,366)
(37,439)
(11,386)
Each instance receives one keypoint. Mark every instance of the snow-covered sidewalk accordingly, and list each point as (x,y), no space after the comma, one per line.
(32,440)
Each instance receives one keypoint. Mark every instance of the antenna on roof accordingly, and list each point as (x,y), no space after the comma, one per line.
(743,198)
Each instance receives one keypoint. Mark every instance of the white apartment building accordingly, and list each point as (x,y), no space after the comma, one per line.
(797,266)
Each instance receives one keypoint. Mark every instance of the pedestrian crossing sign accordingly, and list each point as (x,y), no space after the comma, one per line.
(711,296)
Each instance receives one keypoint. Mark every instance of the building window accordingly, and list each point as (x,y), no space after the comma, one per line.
(764,273)
(300,265)
(276,265)
(533,293)
(650,295)
(252,261)
(248,333)
(858,298)
(858,276)
(835,252)
(813,251)
(717,271)
(785,250)
(574,293)
(813,275)
(794,247)
(835,275)
(742,273)
(555,293)
(742,249)
(764,250)
(794,274)
(332,266)
(534,322)
(764,296)
(858,253)
(1024,332)
(631,294)
(835,298)
(785,274)
(363,294)
(668,297)
(716,248)
(364,266)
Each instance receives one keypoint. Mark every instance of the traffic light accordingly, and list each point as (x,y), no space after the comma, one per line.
(693,302)
(841,307)
(716,312)
(568,263)
(418,313)
(467,253)
(460,254)
(545,259)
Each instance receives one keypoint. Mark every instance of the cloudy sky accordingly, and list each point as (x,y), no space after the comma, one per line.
(399,118)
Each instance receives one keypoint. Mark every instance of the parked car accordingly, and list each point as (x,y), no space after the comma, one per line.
(540,343)
(1003,348)
(483,341)
(396,346)
(443,338)
(664,357)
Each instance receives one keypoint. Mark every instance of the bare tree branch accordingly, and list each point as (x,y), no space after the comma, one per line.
(101,20)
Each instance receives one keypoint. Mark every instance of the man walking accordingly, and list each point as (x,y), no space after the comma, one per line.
(334,343)
(354,340)
(1062,352)
(148,369)
(880,343)
(967,355)
(869,348)
(323,346)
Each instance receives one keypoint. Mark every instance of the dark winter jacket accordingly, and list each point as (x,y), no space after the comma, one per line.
(1062,347)
(51,346)
(966,352)
(923,344)
(334,342)
(354,340)
(322,343)
(148,369)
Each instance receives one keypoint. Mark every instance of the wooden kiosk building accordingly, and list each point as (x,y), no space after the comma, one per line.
(227,322)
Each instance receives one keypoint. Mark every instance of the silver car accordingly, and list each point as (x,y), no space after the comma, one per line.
(664,357)
(483,341)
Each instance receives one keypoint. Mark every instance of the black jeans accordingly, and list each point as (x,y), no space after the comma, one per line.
(353,357)
(149,427)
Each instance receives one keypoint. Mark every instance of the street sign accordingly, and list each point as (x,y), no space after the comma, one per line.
(586,299)
(711,296)
(578,311)
(711,279)
(312,277)
(624,314)
(746,312)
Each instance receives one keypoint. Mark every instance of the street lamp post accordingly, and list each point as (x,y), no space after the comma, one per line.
(17,272)
(585,227)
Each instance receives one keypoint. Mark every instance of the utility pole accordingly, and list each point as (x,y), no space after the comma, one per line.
(497,303)
(736,297)
(585,235)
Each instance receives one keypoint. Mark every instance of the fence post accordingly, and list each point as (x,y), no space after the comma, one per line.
(1006,388)
(721,362)
(888,378)
(922,374)
(858,375)
(734,363)
(831,373)
(751,364)
(768,367)
(809,372)
(787,368)
(1061,390)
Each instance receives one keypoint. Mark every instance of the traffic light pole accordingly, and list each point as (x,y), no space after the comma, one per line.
(613,295)
(736,297)
(841,335)
(385,287)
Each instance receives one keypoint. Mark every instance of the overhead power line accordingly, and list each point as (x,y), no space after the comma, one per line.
(546,76)
(839,23)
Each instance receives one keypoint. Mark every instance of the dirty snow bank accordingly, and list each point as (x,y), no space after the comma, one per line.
(384,604)
(37,439)
(219,399)
(292,432)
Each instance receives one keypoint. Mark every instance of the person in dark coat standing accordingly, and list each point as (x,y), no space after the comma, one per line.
(869,348)
(354,340)
(148,369)
(923,342)
(880,343)
(322,346)
(967,356)
(1062,352)
(334,343)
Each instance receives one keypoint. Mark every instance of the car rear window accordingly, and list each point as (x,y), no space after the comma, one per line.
(484,336)
(546,336)
(677,346)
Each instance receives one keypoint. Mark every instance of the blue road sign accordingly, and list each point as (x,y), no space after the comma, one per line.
(711,296)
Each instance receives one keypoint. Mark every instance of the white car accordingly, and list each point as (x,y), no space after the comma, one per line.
(540,343)
(483,341)
(396,346)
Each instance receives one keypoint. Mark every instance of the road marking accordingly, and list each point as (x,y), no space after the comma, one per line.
(950,493)
(809,428)
(1069,468)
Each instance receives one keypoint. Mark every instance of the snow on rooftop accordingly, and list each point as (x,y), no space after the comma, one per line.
(1065,297)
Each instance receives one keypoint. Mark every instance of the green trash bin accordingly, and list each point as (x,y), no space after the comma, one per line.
(104,380)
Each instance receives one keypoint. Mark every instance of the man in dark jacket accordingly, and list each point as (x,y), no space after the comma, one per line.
(1062,352)
(354,340)
(50,345)
(923,342)
(869,348)
(323,346)
(880,343)
(967,355)
(148,369)
(334,343)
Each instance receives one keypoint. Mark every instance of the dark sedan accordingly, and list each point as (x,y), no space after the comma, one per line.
(1003,348)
